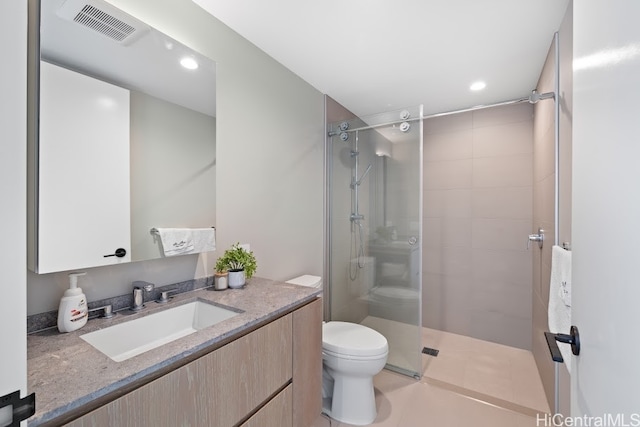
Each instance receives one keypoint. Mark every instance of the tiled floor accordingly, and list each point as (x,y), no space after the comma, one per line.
(470,383)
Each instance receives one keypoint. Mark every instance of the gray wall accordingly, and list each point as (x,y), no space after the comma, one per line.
(173,174)
(270,136)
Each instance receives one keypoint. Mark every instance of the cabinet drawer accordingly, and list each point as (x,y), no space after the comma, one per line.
(276,413)
(219,389)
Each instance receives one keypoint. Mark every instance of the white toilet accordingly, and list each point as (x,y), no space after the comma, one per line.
(351,355)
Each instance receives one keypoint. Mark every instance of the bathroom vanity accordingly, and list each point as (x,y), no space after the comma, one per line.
(261,367)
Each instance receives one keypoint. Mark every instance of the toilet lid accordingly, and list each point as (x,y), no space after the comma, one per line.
(352,339)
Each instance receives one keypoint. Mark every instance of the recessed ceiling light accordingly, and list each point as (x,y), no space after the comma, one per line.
(189,63)
(477,86)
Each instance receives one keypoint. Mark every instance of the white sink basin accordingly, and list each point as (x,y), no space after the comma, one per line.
(128,339)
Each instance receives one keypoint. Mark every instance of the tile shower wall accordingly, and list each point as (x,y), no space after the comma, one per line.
(477,213)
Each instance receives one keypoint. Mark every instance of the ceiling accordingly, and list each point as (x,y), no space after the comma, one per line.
(381,55)
(148,63)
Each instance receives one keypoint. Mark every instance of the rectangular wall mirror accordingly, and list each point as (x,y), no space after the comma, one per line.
(124,138)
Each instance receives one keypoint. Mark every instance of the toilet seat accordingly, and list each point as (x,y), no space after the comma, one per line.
(327,353)
(350,340)
(394,292)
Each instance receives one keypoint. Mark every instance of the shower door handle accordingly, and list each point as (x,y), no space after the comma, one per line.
(412,240)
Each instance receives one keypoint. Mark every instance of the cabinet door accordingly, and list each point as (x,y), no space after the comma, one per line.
(219,389)
(307,364)
(83,172)
(276,413)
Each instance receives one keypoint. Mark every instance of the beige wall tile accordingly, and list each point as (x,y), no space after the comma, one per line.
(499,296)
(451,203)
(457,262)
(536,255)
(433,203)
(497,116)
(500,234)
(448,174)
(433,304)
(431,259)
(450,123)
(544,154)
(432,232)
(547,199)
(448,146)
(512,171)
(501,328)
(503,140)
(456,232)
(510,266)
(540,349)
(507,202)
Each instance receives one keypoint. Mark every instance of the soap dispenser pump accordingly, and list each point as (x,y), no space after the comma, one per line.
(72,313)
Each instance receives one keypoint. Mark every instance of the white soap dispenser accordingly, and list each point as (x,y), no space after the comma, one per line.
(72,313)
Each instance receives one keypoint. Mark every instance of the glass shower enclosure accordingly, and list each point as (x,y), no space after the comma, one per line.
(374,225)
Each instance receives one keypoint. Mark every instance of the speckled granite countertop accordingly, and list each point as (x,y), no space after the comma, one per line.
(70,376)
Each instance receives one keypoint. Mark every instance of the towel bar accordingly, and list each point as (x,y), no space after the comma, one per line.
(573,338)
(155,230)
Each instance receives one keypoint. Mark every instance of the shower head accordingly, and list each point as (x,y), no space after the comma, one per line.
(535,96)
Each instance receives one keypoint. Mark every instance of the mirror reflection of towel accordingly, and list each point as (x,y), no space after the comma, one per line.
(180,241)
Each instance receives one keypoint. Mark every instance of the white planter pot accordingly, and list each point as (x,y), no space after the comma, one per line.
(236,279)
(220,281)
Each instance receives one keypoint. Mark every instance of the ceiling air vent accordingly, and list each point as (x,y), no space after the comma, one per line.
(104,19)
(104,23)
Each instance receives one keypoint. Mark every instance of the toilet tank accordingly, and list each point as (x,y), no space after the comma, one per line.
(307,280)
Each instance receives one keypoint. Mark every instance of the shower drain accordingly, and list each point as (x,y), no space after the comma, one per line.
(430,351)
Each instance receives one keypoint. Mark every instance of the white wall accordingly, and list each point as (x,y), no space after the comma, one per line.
(270,136)
(13,262)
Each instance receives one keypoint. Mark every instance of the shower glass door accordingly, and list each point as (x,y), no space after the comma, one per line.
(374,213)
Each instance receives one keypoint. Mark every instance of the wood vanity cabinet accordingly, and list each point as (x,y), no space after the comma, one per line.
(270,377)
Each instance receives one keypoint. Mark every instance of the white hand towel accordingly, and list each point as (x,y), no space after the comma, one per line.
(204,239)
(559,311)
(176,241)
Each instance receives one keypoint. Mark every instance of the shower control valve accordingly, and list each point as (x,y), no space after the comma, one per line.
(536,238)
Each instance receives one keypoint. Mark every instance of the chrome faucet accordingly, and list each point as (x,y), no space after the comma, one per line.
(107,311)
(139,288)
(164,295)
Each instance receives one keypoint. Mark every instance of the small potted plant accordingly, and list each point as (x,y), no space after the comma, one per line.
(221,275)
(240,263)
